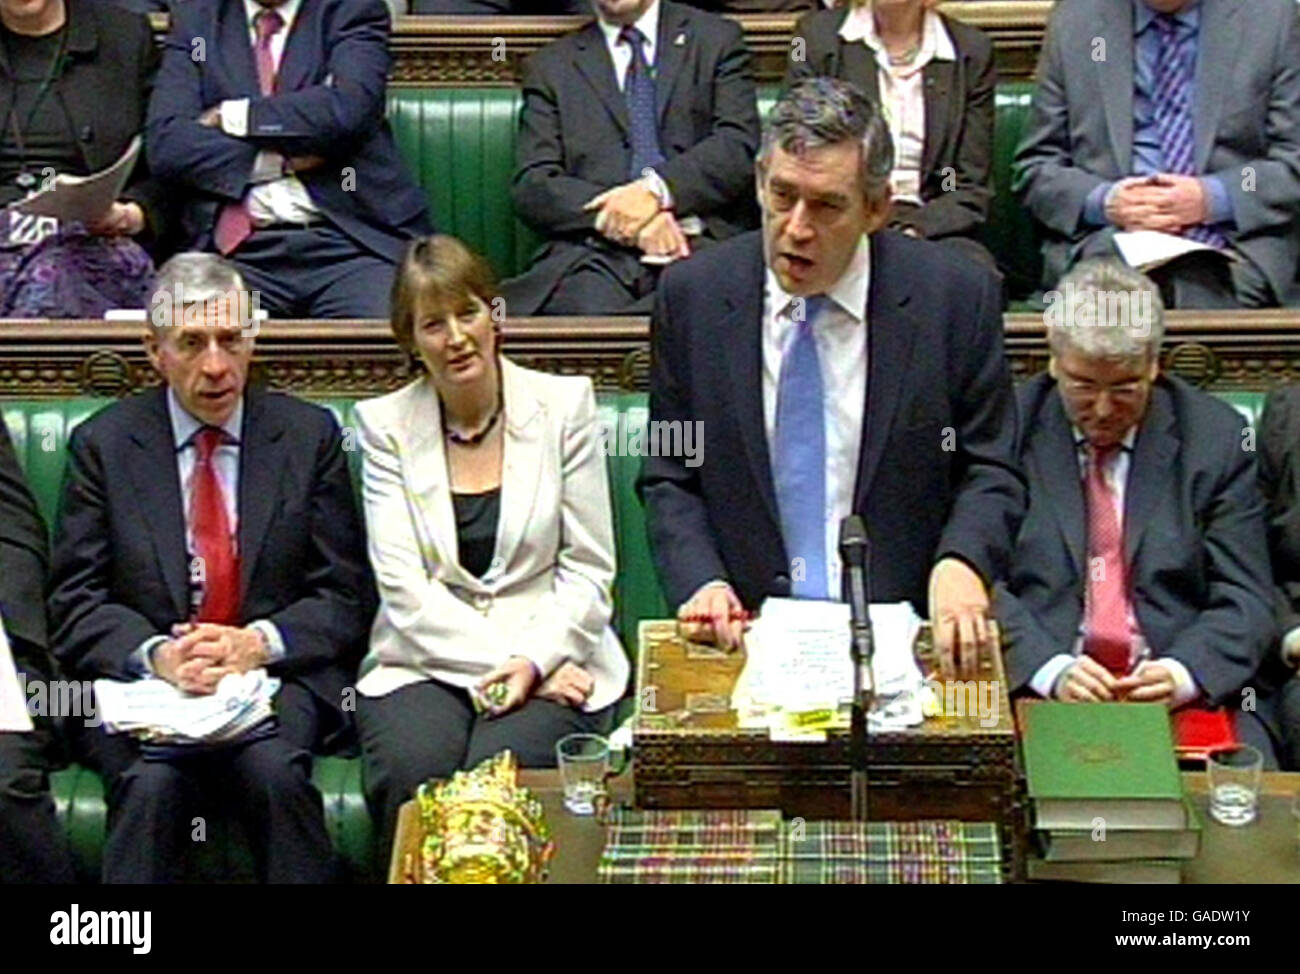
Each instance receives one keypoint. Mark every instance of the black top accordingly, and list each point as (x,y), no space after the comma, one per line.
(34,108)
(476,528)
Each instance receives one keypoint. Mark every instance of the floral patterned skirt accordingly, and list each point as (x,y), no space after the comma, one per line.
(72,274)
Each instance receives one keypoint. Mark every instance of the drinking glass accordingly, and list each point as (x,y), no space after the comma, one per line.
(1235,776)
(584,762)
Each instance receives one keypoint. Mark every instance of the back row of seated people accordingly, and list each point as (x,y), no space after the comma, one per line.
(837,365)
(265,140)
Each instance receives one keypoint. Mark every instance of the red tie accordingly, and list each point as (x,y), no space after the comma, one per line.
(212,537)
(234,223)
(1107,637)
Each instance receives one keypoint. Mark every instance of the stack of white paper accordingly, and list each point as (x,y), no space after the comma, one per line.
(798,661)
(155,710)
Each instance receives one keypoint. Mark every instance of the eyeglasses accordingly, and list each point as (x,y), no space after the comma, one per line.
(1089,390)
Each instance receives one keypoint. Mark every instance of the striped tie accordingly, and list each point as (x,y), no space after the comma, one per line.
(1173,112)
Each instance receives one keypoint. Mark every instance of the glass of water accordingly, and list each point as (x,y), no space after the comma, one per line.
(584,763)
(1235,777)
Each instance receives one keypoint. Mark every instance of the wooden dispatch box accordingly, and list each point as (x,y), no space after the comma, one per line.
(690,752)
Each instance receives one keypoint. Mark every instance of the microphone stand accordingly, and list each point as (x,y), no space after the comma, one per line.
(854,550)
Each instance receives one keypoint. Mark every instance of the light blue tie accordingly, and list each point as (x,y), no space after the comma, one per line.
(799,456)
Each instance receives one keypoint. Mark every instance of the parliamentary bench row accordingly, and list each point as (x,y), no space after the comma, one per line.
(40,428)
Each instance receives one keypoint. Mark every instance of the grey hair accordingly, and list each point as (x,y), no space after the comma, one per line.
(827,111)
(1102,308)
(195,278)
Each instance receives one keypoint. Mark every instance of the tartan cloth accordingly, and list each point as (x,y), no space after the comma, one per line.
(736,846)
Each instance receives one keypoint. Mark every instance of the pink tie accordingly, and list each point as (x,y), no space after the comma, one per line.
(234,223)
(1107,637)
(211,528)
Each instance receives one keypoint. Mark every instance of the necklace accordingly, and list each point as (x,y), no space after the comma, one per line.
(26,180)
(907,57)
(473,439)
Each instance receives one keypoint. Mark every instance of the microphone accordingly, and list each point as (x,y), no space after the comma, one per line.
(854,552)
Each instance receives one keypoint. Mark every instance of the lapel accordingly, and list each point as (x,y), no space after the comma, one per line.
(159,496)
(261,473)
(1218,41)
(891,331)
(669,54)
(232,33)
(740,334)
(940,79)
(298,61)
(521,460)
(1115,76)
(593,62)
(1055,463)
(857,61)
(1150,471)
(425,471)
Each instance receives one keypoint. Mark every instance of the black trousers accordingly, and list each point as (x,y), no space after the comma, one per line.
(32,846)
(153,803)
(429,729)
(314,272)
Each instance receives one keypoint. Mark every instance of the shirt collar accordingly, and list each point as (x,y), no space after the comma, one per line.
(1189,16)
(647,24)
(936,45)
(184,425)
(1126,444)
(849,292)
(287,10)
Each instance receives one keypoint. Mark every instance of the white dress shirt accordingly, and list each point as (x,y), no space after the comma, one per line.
(840,333)
(902,92)
(1044,680)
(274,197)
(225,463)
(621,55)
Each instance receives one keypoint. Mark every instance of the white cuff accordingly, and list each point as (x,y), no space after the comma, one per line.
(1291,647)
(274,641)
(655,183)
(268,166)
(234,117)
(1185,688)
(142,658)
(1043,682)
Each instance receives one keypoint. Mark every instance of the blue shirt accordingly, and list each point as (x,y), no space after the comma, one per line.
(1147,157)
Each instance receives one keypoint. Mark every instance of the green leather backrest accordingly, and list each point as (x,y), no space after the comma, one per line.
(460,145)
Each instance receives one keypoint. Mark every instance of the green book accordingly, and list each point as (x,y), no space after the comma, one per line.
(1127,873)
(1112,762)
(1120,844)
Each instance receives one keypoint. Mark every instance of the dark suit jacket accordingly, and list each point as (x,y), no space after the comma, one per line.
(574,139)
(1193,535)
(329,102)
(24,561)
(120,570)
(1246,116)
(935,375)
(104,88)
(1279,479)
(958,117)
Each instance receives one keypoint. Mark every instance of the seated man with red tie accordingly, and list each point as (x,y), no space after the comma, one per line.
(1141,569)
(210,529)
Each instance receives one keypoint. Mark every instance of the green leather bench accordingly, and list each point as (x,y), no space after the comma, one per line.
(460,144)
(40,429)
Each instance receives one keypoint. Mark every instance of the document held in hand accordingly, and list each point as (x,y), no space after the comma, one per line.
(82,199)
(13,705)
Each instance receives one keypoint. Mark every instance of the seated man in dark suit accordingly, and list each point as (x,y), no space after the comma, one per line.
(209,529)
(636,140)
(278,133)
(1177,116)
(836,368)
(32,849)
(1141,569)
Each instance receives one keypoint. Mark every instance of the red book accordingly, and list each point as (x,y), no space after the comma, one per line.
(1198,732)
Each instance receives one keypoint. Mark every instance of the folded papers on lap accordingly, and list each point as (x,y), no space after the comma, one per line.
(158,712)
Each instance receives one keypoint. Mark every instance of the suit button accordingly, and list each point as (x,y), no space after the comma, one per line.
(87,133)
(781,581)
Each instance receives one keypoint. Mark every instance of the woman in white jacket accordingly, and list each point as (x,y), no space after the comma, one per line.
(488,517)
